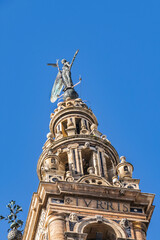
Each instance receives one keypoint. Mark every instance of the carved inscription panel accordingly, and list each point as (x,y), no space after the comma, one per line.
(105,205)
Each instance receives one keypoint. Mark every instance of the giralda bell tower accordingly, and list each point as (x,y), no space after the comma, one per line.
(85,191)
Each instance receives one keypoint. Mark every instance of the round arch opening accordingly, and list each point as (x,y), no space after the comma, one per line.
(99,231)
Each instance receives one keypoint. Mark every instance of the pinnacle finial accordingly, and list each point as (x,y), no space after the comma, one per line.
(49,135)
(123,159)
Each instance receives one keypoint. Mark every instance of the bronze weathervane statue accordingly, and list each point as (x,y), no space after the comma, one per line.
(63,79)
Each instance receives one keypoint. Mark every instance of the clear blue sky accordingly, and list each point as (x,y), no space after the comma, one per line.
(119,61)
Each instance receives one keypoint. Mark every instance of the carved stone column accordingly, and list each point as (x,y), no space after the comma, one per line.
(80,161)
(95,162)
(56,228)
(100,162)
(132,230)
(139,231)
(73,159)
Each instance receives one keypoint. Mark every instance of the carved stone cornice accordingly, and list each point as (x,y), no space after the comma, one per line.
(61,189)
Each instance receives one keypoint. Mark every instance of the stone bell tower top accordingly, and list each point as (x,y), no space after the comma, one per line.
(75,148)
(86,192)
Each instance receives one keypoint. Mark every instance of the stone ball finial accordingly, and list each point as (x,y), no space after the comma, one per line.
(68,174)
(123,159)
(90,170)
(114,179)
(93,127)
(104,137)
(49,135)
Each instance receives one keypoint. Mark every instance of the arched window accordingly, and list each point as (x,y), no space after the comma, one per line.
(99,231)
(64,127)
(78,125)
(63,162)
(110,169)
(125,168)
(87,156)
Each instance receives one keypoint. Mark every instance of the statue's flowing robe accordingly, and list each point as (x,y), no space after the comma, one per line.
(66,75)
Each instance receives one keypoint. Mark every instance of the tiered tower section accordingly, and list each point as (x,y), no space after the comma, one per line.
(75,149)
(85,190)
